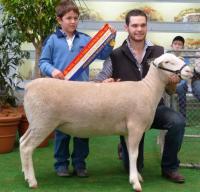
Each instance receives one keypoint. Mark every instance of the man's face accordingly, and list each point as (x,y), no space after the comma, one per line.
(137,28)
(69,22)
(177,45)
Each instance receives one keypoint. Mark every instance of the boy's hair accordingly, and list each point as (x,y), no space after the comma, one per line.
(66,6)
(134,12)
(179,38)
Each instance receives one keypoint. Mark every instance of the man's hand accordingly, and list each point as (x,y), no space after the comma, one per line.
(57,74)
(174,79)
(171,86)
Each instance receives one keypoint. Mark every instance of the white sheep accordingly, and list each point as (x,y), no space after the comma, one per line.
(85,109)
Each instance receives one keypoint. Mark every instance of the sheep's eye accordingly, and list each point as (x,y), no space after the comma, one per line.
(166,62)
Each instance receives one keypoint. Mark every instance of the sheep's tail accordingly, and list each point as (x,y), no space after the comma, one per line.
(31,84)
(28,85)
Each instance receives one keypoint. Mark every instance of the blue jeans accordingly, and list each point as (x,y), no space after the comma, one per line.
(165,119)
(62,153)
(181,90)
(196,88)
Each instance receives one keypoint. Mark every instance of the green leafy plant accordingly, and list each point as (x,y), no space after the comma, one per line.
(35,20)
(11,56)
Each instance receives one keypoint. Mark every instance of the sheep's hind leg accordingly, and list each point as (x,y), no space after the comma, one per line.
(26,151)
(21,140)
(27,146)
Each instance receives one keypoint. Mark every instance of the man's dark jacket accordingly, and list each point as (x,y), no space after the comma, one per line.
(124,64)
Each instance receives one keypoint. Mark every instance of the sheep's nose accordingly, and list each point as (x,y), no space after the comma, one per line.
(187,72)
(190,72)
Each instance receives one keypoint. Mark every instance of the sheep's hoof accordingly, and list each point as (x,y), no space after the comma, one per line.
(33,186)
(138,191)
(137,188)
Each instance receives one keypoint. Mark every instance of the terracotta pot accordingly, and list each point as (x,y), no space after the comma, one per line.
(23,126)
(52,135)
(8,130)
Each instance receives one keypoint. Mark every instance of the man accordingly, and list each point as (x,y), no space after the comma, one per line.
(129,62)
(182,87)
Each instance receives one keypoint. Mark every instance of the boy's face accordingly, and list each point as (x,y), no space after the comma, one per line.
(177,45)
(137,28)
(69,22)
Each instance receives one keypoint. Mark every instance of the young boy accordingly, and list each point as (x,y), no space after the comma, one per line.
(178,43)
(181,88)
(59,50)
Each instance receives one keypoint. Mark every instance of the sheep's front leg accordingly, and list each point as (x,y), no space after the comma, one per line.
(32,138)
(133,141)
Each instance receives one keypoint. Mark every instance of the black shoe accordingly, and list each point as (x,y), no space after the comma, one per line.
(174,176)
(80,173)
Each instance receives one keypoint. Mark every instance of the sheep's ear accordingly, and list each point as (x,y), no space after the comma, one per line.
(158,61)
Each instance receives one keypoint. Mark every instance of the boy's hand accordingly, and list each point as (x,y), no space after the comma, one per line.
(113,30)
(57,74)
(110,80)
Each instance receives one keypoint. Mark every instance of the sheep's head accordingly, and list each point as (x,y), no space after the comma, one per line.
(197,62)
(169,62)
(197,65)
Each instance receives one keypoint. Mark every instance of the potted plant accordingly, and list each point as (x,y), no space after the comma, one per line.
(10,57)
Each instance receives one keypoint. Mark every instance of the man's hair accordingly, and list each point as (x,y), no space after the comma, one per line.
(134,12)
(179,38)
(66,6)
